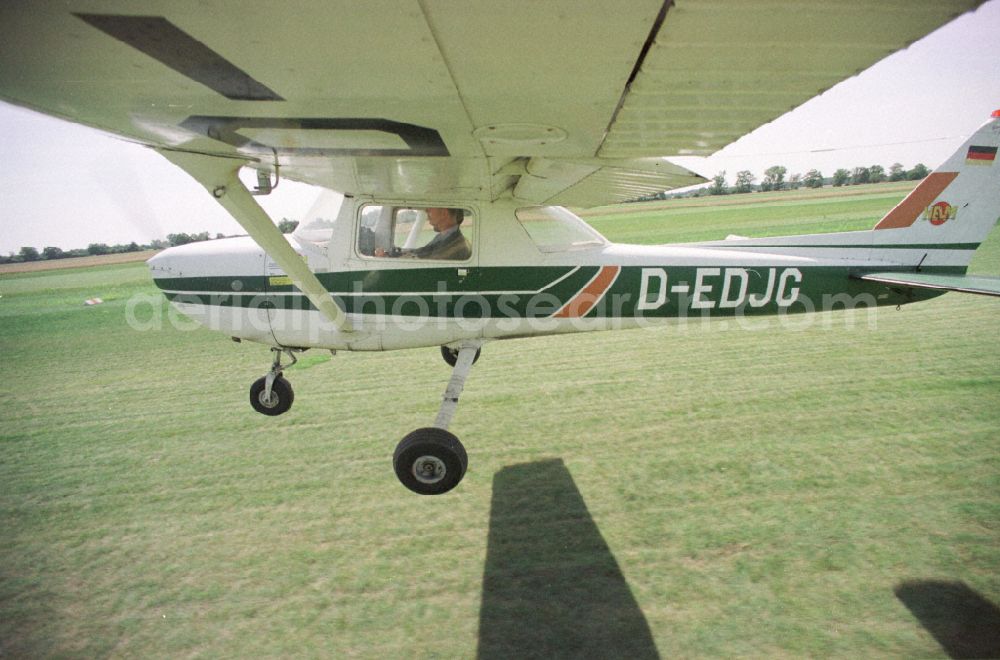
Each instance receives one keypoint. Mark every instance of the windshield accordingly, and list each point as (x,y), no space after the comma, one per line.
(318,224)
(554,229)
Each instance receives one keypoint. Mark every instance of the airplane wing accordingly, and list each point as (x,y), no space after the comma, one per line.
(981,284)
(557,102)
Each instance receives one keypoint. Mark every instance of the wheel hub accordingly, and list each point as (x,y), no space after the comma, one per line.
(429,469)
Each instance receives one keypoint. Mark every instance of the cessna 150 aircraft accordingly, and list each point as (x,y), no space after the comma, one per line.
(457,132)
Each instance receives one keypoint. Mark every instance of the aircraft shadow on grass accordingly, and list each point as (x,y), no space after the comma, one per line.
(965,624)
(551,587)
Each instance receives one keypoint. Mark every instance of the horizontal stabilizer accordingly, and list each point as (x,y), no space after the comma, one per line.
(981,284)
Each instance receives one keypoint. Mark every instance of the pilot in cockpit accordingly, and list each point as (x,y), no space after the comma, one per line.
(448,242)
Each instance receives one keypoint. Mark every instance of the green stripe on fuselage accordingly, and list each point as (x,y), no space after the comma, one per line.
(538,292)
(462,280)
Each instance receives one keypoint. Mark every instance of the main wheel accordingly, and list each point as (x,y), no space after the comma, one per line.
(280,400)
(430,461)
(450,355)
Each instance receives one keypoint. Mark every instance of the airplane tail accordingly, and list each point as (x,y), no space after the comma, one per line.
(946,218)
(927,241)
(957,205)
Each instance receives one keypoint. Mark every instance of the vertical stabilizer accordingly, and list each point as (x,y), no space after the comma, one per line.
(958,204)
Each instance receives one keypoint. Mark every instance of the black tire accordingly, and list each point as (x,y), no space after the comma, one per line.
(430,461)
(450,355)
(281,400)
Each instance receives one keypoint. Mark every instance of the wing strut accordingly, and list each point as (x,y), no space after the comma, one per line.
(220,176)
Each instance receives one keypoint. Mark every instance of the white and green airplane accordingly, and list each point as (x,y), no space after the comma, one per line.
(457,133)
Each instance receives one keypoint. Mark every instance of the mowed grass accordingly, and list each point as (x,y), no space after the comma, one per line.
(699,490)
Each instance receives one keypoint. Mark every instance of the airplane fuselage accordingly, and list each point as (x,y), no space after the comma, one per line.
(511,288)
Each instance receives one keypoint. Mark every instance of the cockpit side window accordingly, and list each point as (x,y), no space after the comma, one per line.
(406,232)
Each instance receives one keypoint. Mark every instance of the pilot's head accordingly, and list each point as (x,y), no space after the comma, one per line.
(443,219)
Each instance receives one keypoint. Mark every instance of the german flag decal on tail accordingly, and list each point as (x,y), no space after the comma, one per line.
(981,155)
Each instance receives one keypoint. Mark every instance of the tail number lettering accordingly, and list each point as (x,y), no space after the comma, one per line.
(723,288)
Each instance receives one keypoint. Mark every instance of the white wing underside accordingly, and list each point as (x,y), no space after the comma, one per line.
(557,102)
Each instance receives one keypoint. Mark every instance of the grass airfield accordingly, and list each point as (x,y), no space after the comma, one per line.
(699,490)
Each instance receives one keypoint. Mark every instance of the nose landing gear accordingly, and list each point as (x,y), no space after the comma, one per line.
(272,394)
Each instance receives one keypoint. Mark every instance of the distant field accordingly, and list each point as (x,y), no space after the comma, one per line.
(826,490)
(76,262)
(897,188)
(757,214)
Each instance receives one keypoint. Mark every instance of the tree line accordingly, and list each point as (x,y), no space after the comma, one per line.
(28,253)
(774,178)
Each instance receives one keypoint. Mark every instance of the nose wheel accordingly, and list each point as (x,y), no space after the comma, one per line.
(275,402)
(432,460)
(272,394)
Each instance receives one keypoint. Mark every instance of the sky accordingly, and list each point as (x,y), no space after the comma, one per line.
(67,186)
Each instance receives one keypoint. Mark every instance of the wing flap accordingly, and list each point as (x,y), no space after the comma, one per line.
(615,183)
(593,182)
(981,284)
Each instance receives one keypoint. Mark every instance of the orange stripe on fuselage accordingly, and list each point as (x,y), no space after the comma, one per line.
(584,301)
(907,211)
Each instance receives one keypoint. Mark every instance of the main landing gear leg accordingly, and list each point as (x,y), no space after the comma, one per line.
(272,394)
(431,460)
